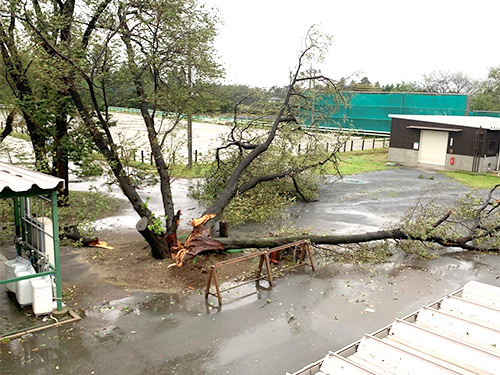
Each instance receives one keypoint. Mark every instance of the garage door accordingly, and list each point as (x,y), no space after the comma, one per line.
(432,148)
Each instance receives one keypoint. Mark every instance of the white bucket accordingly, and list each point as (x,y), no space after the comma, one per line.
(23,287)
(42,295)
(10,267)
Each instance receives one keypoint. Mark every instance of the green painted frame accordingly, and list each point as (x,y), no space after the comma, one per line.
(55,269)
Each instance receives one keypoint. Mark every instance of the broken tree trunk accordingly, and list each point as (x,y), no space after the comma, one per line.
(264,242)
(268,242)
(203,244)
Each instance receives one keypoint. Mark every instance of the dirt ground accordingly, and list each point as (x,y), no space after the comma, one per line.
(130,265)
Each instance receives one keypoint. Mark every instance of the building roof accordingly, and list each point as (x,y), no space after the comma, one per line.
(485,122)
(459,334)
(19,180)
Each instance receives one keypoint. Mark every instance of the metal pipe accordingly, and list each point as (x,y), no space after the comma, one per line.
(57,263)
(17,223)
(27,277)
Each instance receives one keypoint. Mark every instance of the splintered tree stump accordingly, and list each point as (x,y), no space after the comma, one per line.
(223,229)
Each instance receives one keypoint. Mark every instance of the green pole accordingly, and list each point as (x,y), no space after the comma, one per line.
(22,214)
(17,223)
(57,263)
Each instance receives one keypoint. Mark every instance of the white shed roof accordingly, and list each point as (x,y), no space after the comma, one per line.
(485,122)
(459,334)
(17,179)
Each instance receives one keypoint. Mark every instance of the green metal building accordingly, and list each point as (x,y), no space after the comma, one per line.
(369,112)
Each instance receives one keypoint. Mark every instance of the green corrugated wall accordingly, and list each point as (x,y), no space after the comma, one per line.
(484,113)
(370,111)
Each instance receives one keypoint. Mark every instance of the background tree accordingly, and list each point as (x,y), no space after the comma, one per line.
(45,109)
(403,87)
(446,82)
(487,97)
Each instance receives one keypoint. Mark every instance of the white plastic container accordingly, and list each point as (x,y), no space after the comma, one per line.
(23,287)
(41,288)
(18,263)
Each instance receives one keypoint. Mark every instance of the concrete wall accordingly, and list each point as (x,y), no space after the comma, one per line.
(464,163)
(403,156)
(461,162)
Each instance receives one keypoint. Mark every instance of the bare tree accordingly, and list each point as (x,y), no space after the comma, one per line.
(446,82)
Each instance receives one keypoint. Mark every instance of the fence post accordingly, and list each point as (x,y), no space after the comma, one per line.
(142,156)
(345,143)
(373,146)
(362,145)
(352,145)
(196,156)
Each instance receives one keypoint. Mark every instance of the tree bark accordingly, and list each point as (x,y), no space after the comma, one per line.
(265,242)
(8,126)
(269,242)
(159,247)
(60,165)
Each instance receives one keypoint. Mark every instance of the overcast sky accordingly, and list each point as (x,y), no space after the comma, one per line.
(388,41)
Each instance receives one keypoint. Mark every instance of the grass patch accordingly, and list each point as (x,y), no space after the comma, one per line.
(83,209)
(474,180)
(198,170)
(22,136)
(356,162)
(86,207)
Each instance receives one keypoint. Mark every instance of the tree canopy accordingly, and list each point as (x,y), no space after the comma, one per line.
(487,97)
(160,55)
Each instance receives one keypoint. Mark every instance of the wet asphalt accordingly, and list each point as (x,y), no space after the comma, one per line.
(259,330)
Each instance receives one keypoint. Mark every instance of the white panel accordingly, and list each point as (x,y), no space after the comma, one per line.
(364,359)
(47,238)
(472,309)
(334,364)
(401,362)
(483,293)
(458,368)
(433,147)
(457,351)
(468,330)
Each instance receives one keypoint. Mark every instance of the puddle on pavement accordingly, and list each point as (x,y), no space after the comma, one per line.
(353,181)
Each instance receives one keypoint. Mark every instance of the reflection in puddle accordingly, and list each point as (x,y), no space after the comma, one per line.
(353,181)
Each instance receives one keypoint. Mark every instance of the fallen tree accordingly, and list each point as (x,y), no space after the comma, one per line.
(472,224)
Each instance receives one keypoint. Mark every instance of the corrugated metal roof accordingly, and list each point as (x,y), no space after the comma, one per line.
(17,179)
(485,122)
(459,334)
